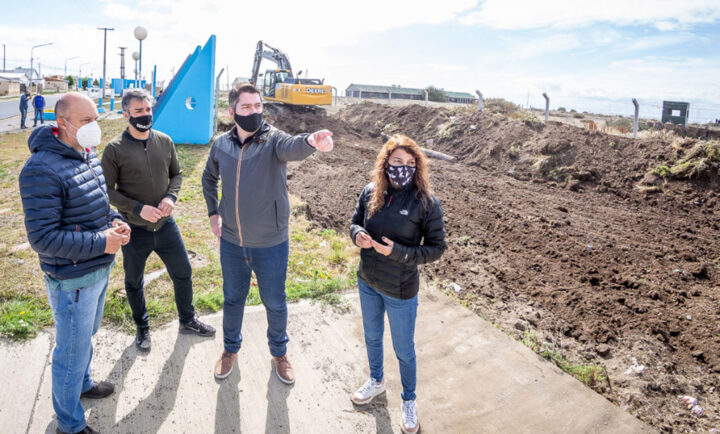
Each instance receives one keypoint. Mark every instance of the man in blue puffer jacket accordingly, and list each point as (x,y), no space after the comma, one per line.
(75,233)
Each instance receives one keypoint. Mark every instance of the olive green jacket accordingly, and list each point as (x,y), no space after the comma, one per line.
(141,172)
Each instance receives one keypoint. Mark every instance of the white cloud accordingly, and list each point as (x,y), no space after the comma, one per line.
(666,26)
(530,14)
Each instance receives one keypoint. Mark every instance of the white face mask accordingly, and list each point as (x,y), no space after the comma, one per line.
(88,135)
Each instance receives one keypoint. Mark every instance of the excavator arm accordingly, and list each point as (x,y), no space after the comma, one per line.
(272,54)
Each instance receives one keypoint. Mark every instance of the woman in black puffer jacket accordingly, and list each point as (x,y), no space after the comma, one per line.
(398,223)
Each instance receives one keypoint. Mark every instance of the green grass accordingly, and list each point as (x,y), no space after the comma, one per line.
(322,262)
(591,375)
(662,171)
(21,317)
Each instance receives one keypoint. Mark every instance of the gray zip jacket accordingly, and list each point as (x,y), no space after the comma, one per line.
(254,208)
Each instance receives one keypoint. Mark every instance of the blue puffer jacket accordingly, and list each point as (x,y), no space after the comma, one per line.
(66,207)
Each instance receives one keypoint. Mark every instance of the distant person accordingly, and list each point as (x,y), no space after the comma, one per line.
(24,98)
(143,177)
(39,105)
(251,221)
(76,234)
(398,223)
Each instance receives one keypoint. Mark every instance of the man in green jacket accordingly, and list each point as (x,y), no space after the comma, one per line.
(143,179)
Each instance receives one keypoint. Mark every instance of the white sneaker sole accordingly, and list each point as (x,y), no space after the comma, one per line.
(277,374)
(409,431)
(367,400)
(223,376)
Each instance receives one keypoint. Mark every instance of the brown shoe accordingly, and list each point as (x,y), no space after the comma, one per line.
(224,366)
(283,369)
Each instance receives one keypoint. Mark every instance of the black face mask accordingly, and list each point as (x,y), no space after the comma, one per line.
(249,123)
(400,175)
(142,123)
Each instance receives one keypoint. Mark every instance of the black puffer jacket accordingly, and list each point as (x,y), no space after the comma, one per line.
(418,235)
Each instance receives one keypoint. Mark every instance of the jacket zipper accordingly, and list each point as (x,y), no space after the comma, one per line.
(277,224)
(237,188)
(97,180)
(147,159)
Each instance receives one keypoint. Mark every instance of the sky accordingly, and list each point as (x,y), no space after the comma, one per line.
(586,55)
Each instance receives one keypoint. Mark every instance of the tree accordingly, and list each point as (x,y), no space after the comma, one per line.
(84,82)
(71,80)
(561,109)
(436,94)
(96,82)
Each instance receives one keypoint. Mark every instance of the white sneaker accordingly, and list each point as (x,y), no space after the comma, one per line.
(409,423)
(368,392)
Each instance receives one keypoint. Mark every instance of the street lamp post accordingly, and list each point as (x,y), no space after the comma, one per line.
(80,75)
(140,34)
(31,58)
(136,56)
(3,57)
(66,61)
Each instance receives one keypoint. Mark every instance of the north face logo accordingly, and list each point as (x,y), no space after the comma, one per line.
(404,212)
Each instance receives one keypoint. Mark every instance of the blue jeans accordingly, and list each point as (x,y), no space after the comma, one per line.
(39,114)
(270,267)
(401,315)
(168,244)
(77,316)
(23,116)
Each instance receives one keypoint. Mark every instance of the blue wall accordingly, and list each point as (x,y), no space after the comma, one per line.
(185,109)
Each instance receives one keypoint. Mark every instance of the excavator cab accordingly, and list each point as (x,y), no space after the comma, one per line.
(271,79)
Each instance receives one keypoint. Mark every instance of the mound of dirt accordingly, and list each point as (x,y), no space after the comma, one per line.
(554,232)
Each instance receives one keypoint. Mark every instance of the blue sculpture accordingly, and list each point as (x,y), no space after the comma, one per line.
(184,111)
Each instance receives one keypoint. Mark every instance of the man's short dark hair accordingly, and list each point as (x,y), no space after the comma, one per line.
(134,94)
(237,90)
(61,107)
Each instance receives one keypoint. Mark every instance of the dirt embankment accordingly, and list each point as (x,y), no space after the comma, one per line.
(576,237)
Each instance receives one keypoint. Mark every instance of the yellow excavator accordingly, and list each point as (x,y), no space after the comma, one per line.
(281,86)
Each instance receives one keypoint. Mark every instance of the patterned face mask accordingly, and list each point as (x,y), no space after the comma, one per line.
(400,175)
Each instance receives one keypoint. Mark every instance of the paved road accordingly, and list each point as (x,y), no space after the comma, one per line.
(12,108)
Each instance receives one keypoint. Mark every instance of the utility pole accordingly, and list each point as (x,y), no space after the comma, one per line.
(3,57)
(227,77)
(105,30)
(122,62)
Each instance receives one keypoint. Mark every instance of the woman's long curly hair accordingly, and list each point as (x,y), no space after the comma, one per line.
(421,178)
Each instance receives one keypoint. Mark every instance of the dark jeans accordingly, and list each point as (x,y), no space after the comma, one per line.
(39,114)
(168,244)
(23,116)
(270,267)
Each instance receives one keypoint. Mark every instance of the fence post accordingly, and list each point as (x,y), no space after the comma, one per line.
(547,106)
(390,97)
(215,102)
(426,98)
(480,101)
(637,112)
(334,91)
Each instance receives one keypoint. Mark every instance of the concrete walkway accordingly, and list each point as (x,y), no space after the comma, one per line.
(472,378)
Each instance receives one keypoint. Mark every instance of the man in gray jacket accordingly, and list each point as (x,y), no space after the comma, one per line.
(251,220)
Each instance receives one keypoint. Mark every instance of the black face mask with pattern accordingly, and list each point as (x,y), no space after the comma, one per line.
(141,123)
(400,176)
